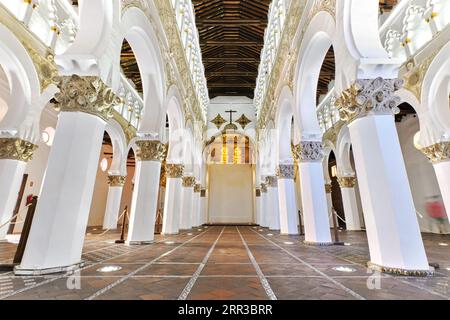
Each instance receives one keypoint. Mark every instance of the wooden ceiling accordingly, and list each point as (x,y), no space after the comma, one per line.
(129,66)
(231,39)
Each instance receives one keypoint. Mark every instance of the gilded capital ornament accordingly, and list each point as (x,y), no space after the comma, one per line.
(328,188)
(150,150)
(263,188)
(272,181)
(347,182)
(369,96)
(174,171)
(116,181)
(188,182)
(286,171)
(197,188)
(308,151)
(86,94)
(16,149)
(438,152)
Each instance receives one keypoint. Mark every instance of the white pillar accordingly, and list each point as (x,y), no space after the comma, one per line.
(286,195)
(443,177)
(196,206)
(116,184)
(351,212)
(274,207)
(57,234)
(264,219)
(258,206)
(144,203)
(314,200)
(204,206)
(11,175)
(328,189)
(172,206)
(187,196)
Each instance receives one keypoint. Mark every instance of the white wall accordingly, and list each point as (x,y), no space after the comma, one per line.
(422,178)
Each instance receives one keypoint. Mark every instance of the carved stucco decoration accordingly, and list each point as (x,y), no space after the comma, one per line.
(438,152)
(197,188)
(286,171)
(347,182)
(308,151)
(263,188)
(272,181)
(243,121)
(128,129)
(150,150)
(369,96)
(16,149)
(328,188)
(116,181)
(324,5)
(86,94)
(174,171)
(218,121)
(188,182)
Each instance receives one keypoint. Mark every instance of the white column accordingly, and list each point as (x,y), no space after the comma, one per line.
(57,234)
(274,207)
(328,189)
(144,203)
(196,206)
(264,219)
(258,206)
(204,206)
(187,196)
(314,200)
(351,212)
(286,195)
(172,206)
(11,175)
(116,184)
(442,170)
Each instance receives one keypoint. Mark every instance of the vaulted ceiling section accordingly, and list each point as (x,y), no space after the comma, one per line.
(231,39)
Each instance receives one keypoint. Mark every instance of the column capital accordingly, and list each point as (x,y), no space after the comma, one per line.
(86,94)
(328,187)
(263,188)
(174,171)
(286,171)
(272,181)
(188,182)
(347,182)
(438,152)
(308,151)
(197,188)
(258,192)
(116,181)
(369,96)
(16,149)
(203,193)
(150,150)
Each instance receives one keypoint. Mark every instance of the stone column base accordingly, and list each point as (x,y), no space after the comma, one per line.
(317,244)
(139,243)
(400,271)
(38,272)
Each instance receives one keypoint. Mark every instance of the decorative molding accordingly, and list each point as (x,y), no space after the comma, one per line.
(328,187)
(218,121)
(308,151)
(324,5)
(400,271)
(129,131)
(188,182)
(150,150)
(243,121)
(272,181)
(16,149)
(174,171)
(369,96)
(438,152)
(347,182)
(286,171)
(116,181)
(86,94)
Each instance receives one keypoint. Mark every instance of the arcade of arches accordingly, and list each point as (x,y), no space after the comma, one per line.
(266,149)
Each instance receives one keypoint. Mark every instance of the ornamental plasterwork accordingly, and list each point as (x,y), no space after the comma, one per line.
(188,182)
(328,187)
(218,121)
(369,96)
(263,188)
(272,181)
(128,129)
(308,151)
(438,152)
(174,171)
(243,121)
(116,181)
(16,149)
(324,5)
(150,150)
(416,74)
(347,182)
(197,188)
(86,94)
(286,171)
(40,54)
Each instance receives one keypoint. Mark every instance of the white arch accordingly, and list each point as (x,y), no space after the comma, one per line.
(174,112)
(343,145)
(328,147)
(120,148)
(284,127)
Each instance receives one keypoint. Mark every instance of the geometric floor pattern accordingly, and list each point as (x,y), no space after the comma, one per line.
(229,263)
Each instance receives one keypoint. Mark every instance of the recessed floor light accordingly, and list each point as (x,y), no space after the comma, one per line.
(344,269)
(288,242)
(189,234)
(448,268)
(109,269)
(199,229)
(169,242)
(89,234)
(270,234)
(260,230)
(443,244)
(347,244)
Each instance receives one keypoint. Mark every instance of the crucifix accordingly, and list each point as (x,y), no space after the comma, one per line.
(231,114)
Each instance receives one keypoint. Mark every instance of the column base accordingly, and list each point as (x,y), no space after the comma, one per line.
(317,244)
(400,271)
(139,243)
(18,271)
(170,233)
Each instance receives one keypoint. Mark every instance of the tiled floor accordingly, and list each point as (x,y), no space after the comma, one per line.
(229,263)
